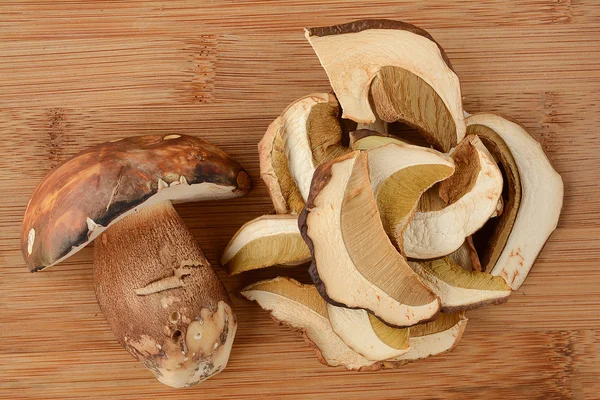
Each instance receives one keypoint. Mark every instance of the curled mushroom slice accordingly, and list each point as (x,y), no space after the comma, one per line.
(308,133)
(368,335)
(275,171)
(312,134)
(458,289)
(472,193)
(399,174)
(528,219)
(265,241)
(401,68)
(436,337)
(354,263)
(159,294)
(302,308)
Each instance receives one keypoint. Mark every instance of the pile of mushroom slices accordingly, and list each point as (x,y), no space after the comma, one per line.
(402,239)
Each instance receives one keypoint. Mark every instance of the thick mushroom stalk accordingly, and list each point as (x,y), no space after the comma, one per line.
(161,297)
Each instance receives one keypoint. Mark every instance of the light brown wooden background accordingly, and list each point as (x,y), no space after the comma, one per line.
(77,73)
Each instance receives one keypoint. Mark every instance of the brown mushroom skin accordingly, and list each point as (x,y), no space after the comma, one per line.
(162,299)
(102,183)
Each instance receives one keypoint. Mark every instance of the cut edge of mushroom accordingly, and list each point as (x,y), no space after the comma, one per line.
(311,134)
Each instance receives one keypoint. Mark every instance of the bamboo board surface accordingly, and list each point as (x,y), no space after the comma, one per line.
(78,73)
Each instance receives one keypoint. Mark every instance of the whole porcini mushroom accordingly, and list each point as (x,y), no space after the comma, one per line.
(160,296)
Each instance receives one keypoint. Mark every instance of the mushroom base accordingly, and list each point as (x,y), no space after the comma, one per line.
(161,297)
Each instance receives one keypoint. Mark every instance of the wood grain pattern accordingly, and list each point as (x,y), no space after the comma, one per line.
(76,73)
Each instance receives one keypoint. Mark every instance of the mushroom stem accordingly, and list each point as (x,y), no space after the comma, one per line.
(161,297)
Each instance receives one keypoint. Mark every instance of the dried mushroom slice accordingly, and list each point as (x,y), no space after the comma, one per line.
(400,174)
(458,289)
(365,139)
(494,234)
(400,68)
(540,201)
(368,335)
(265,241)
(472,193)
(436,337)
(354,263)
(275,172)
(302,308)
(311,133)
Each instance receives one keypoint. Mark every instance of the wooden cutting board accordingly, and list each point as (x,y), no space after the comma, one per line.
(77,73)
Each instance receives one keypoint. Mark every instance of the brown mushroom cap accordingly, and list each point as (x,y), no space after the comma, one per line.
(84,195)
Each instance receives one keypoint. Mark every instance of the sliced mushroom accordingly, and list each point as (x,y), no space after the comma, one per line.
(399,174)
(159,294)
(401,68)
(528,219)
(368,335)
(302,308)
(266,241)
(436,337)
(354,263)
(275,171)
(311,135)
(458,289)
(491,239)
(365,139)
(472,193)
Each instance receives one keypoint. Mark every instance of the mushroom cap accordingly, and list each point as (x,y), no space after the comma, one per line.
(84,195)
